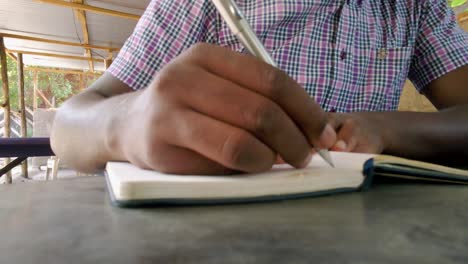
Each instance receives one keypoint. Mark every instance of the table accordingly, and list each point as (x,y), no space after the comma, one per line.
(72,221)
(23,148)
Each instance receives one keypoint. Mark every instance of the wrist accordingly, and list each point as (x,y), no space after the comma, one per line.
(117,127)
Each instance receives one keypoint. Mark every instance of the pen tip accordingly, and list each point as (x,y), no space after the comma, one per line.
(326,157)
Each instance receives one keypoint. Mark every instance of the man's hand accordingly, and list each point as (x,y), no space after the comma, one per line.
(212,110)
(357,132)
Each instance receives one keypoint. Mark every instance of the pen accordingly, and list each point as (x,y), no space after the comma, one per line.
(241,28)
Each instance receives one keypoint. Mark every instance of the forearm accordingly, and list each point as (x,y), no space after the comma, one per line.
(85,130)
(440,136)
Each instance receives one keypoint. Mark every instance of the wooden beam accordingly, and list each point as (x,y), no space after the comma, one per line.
(82,83)
(81,16)
(108,60)
(463,17)
(6,102)
(64,43)
(6,88)
(22,108)
(107,63)
(12,56)
(91,9)
(39,92)
(53,55)
(62,71)
(44,98)
(36,87)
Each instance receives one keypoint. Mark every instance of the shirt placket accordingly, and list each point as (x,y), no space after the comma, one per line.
(343,70)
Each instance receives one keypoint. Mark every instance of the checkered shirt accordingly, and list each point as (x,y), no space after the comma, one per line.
(350,55)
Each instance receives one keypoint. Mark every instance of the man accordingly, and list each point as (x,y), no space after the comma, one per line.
(174,105)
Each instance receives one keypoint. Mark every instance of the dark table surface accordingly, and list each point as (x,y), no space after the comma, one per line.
(72,221)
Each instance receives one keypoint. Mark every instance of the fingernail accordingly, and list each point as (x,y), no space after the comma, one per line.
(328,137)
(341,145)
(306,161)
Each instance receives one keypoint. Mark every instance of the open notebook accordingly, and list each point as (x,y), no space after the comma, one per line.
(132,186)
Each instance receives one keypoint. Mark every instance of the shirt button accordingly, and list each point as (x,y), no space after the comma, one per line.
(382,54)
(343,55)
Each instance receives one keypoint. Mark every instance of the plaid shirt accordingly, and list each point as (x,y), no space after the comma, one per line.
(351,55)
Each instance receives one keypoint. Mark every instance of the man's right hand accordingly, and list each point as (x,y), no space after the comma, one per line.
(212,110)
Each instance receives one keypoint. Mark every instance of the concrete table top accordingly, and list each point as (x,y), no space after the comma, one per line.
(73,221)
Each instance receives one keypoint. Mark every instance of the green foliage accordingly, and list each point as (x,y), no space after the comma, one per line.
(58,84)
(13,83)
(456,3)
(56,87)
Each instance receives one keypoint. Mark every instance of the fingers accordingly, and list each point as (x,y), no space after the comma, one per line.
(346,138)
(214,106)
(248,110)
(177,160)
(251,73)
(227,145)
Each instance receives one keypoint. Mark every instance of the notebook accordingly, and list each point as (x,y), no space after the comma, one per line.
(130,186)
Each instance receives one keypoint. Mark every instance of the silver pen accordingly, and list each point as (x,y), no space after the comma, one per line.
(241,28)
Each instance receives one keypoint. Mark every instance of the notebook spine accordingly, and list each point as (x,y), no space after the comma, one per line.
(369,173)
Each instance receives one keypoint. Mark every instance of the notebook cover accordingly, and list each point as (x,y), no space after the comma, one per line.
(419,173)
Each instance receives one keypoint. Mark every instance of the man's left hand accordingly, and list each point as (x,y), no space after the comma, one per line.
(357,132)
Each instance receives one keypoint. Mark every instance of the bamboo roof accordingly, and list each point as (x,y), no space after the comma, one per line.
(97,28)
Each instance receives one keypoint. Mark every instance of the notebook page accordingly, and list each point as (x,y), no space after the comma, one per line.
(124,173)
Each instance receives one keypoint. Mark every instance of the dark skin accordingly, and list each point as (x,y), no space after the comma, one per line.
(209,111)
(215,111)
(437,137)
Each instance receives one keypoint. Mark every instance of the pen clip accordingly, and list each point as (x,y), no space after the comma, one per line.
(239,26)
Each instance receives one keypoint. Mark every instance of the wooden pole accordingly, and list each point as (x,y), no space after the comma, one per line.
(22,107)
(82,84)
(81,16)
(108,60)
(106,64)
(6,102)
(36,84)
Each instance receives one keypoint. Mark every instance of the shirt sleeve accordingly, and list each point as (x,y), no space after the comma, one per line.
(441,45)
(164,31)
